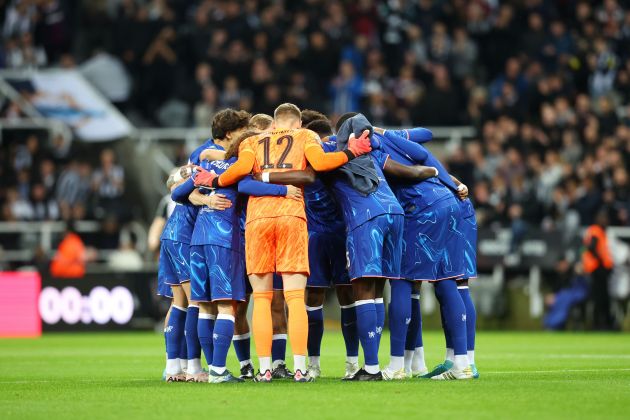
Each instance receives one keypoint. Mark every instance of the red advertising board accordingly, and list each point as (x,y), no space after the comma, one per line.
(19,309)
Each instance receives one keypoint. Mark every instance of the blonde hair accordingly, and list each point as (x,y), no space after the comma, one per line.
(286,111)
(260,122)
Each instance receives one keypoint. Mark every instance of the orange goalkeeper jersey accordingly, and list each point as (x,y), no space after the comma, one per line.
(278,151)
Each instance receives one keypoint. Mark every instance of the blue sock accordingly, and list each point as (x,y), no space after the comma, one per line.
(242,347)
(315,329)
(221,340)
(471,317)
(447,334)
(414,325)
(366,326)
(349,330)
(278,347)
(192,339)
(183,346)
(454,313)
(175,332)
(399,314)
(205,327)
(380,317)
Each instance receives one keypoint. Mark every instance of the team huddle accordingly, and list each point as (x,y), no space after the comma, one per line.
(280,209)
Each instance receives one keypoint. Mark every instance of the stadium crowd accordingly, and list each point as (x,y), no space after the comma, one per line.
(47,181)
(545,84)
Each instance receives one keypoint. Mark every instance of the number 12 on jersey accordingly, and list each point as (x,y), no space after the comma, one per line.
(280,164)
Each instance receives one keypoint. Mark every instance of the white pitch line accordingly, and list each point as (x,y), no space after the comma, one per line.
(556,356)
(555,371)
(45,381)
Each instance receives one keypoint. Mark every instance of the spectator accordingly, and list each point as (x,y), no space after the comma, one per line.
(44,208)
(598,263)
(108,184)
(346,89)
(71,256)
(206,108)
(73,190)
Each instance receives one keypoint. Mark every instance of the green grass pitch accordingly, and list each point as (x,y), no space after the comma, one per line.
(523,375)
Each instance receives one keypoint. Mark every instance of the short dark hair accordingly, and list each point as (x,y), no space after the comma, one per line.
(323,128)
(344,118)
(229,120)
(310,115)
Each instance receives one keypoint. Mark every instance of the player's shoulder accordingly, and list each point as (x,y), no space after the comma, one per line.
(249,141)
(306,135)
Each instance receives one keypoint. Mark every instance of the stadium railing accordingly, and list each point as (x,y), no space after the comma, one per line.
(41,237)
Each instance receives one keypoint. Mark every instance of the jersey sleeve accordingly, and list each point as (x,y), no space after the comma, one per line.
(181,192)
(311,140)
(250,186)
(416,135)
(242,167)
(246,147)
(380,158)
(322,161)
(414,151)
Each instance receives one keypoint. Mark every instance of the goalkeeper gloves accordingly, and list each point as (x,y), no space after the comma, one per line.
(359,146)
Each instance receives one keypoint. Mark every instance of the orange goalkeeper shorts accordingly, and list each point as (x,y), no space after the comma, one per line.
(277,245)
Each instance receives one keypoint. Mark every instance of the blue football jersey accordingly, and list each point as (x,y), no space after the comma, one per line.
(195,158)
(414,197)
(179,225)
(398,142)
(322,211)
(218,227)
(356,207)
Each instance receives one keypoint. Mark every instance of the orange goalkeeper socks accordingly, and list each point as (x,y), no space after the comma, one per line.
(262,324)
(298,321)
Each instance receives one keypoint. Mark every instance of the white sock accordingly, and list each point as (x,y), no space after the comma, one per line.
(396,363)
(173,367)
(264,363)
(299,362)
(194,366)
(183,363)
(408,360)
(372,369)
(352,359)
(418,364)
(461,361)
(450,355)
(246,362)
(278,362)
(313,361)
(218,370)
(471,357)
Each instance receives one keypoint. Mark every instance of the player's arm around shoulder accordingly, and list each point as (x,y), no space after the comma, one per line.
(414,172)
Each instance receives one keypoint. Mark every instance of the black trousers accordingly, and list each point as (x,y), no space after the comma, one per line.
(602,319)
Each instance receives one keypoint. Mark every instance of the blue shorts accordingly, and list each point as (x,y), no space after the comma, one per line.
(374,248)
(277,282)
(434,244)
(469,229)
(327,260)
(218,273)
(174,262)
(163,289)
